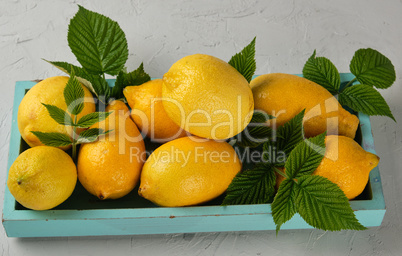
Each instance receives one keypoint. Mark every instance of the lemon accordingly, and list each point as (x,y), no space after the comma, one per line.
(347,164)
(148,112)
(284,96)
(42,177)
(33,116)
(110,167)
(188,171)
(207,97)
(117,107)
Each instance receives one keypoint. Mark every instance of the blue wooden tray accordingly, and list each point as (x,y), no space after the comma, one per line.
(84,215)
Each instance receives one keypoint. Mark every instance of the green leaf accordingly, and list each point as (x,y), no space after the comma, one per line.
(253,186)
(98,43)
(90,135)
(95,83)
(306,157)
(59,115)
(136,77)
(287,136)
(244,61)
(366,99)
(273,155)
(102,87)
(92,118)
(372,68)
(257,132)
(283,207)
(54,139)
(291,133)
(323,205)
(323,72)
(74,95)
(260,117)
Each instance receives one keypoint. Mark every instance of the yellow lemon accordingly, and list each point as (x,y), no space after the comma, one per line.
(284,96)
(117,107)
(33,116)
(347,164)
(42,177)
(110,167)
(148,112)
(207,97)
(188,171)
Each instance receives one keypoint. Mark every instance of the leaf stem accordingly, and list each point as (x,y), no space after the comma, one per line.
(348,84)
(74,145)
(281,173)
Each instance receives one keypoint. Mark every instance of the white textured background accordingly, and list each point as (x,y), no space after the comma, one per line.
(161,32)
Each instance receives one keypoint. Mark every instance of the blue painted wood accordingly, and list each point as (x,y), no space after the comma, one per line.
(134,217)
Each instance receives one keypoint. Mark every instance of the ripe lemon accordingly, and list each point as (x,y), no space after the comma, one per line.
(110,167)
(117,107)
(347,164)
(148,112)
(284,96)
(42,177)
(188,171)
(33,116)
(208,97)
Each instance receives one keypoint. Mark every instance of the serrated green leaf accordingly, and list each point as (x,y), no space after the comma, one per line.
(253,186)
(260,117)
(323,72)
(53,139)
(98,42)
(67,68)
(102,86)
(273,155)
(95,83)
(59,115)
(92,118)
(256,132)
(366,99)
(283,207)
(323,205)
(244,61)
(287,136)
(305,157)
(136,77)
(291,133)
(74,95)
(90,135)
(372,68)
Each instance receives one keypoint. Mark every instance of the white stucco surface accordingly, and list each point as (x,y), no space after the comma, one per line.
(161,32)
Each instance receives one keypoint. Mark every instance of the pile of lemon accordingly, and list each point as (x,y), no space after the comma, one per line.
(200,102)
